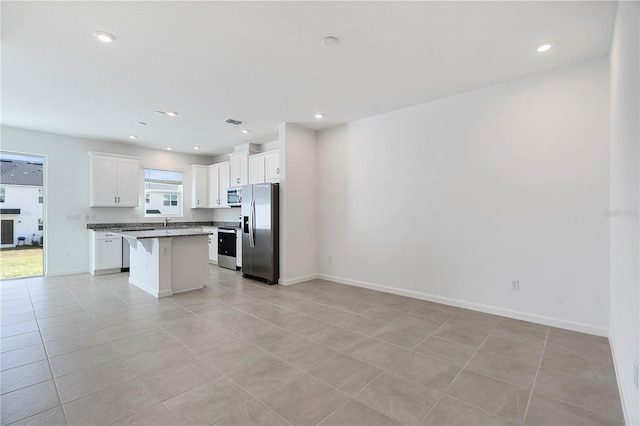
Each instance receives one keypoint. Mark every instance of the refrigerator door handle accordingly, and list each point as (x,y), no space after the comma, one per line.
(252,224)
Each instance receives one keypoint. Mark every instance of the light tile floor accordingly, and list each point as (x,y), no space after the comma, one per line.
(84,350)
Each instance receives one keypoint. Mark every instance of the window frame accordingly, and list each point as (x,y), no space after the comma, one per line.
(177,192)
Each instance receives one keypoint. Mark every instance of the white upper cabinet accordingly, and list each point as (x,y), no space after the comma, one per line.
(128,188)
(256,169)
(199,186)
(264,167)
(272,166)
(239,168)
(115,180)
(218,184)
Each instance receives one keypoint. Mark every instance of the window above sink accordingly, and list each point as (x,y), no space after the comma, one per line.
(163,193)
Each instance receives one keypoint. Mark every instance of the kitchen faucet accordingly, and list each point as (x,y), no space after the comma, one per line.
(166,221)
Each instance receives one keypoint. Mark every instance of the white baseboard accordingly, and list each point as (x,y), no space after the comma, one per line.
(624,397)
(150,290)
(298,279)
(554,322)
(69,272)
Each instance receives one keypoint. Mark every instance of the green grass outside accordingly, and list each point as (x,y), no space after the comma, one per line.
(21,262)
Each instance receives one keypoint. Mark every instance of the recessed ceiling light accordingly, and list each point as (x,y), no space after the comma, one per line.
(544,47)
(169,148)
(245,131)
(319,115)
(196,147)
(104,37)
(133,137)
(142,123)
(329,41)
(172,113)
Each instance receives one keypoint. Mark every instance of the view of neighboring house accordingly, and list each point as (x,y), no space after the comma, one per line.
(21,200)
(162,193)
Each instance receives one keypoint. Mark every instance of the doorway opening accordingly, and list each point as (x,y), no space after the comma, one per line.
(22,208)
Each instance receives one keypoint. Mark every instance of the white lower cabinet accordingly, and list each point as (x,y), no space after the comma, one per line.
(106,253)
(213,244)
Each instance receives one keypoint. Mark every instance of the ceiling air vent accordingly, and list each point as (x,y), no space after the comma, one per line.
(232,121)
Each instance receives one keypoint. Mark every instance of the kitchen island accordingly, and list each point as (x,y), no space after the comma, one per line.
(168,261)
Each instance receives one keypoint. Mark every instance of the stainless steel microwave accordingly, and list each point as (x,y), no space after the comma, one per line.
(234,196)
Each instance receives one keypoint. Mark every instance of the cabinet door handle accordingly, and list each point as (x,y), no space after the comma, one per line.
(278,171)
(108,241)
(118,200)
(115,200)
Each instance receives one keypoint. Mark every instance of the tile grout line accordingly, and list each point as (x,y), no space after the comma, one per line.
(238,310)
(383,370)
(533,385)
(46,353)
(109,340)
(387,371)
(459,372)
(64,412)
(253,299)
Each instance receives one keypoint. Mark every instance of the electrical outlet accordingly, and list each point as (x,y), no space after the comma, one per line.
(330,259)
(515,284)
(635,373)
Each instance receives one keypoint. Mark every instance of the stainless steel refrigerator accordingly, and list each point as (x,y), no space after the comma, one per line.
(260,231)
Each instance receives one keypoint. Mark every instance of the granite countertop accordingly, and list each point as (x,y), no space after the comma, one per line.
(162,233)
(157,225)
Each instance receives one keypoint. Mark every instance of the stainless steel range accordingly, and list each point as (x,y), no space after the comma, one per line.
(227,248)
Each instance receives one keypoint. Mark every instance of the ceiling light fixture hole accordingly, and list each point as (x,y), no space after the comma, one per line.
(544,47)
(104,36)
(329,41)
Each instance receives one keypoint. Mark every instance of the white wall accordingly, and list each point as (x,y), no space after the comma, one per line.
(25,224)
(67,191)
(625,193)
(452,199)
(298,222)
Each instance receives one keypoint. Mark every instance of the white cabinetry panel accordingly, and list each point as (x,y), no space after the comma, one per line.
(115,181)
(199,186)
